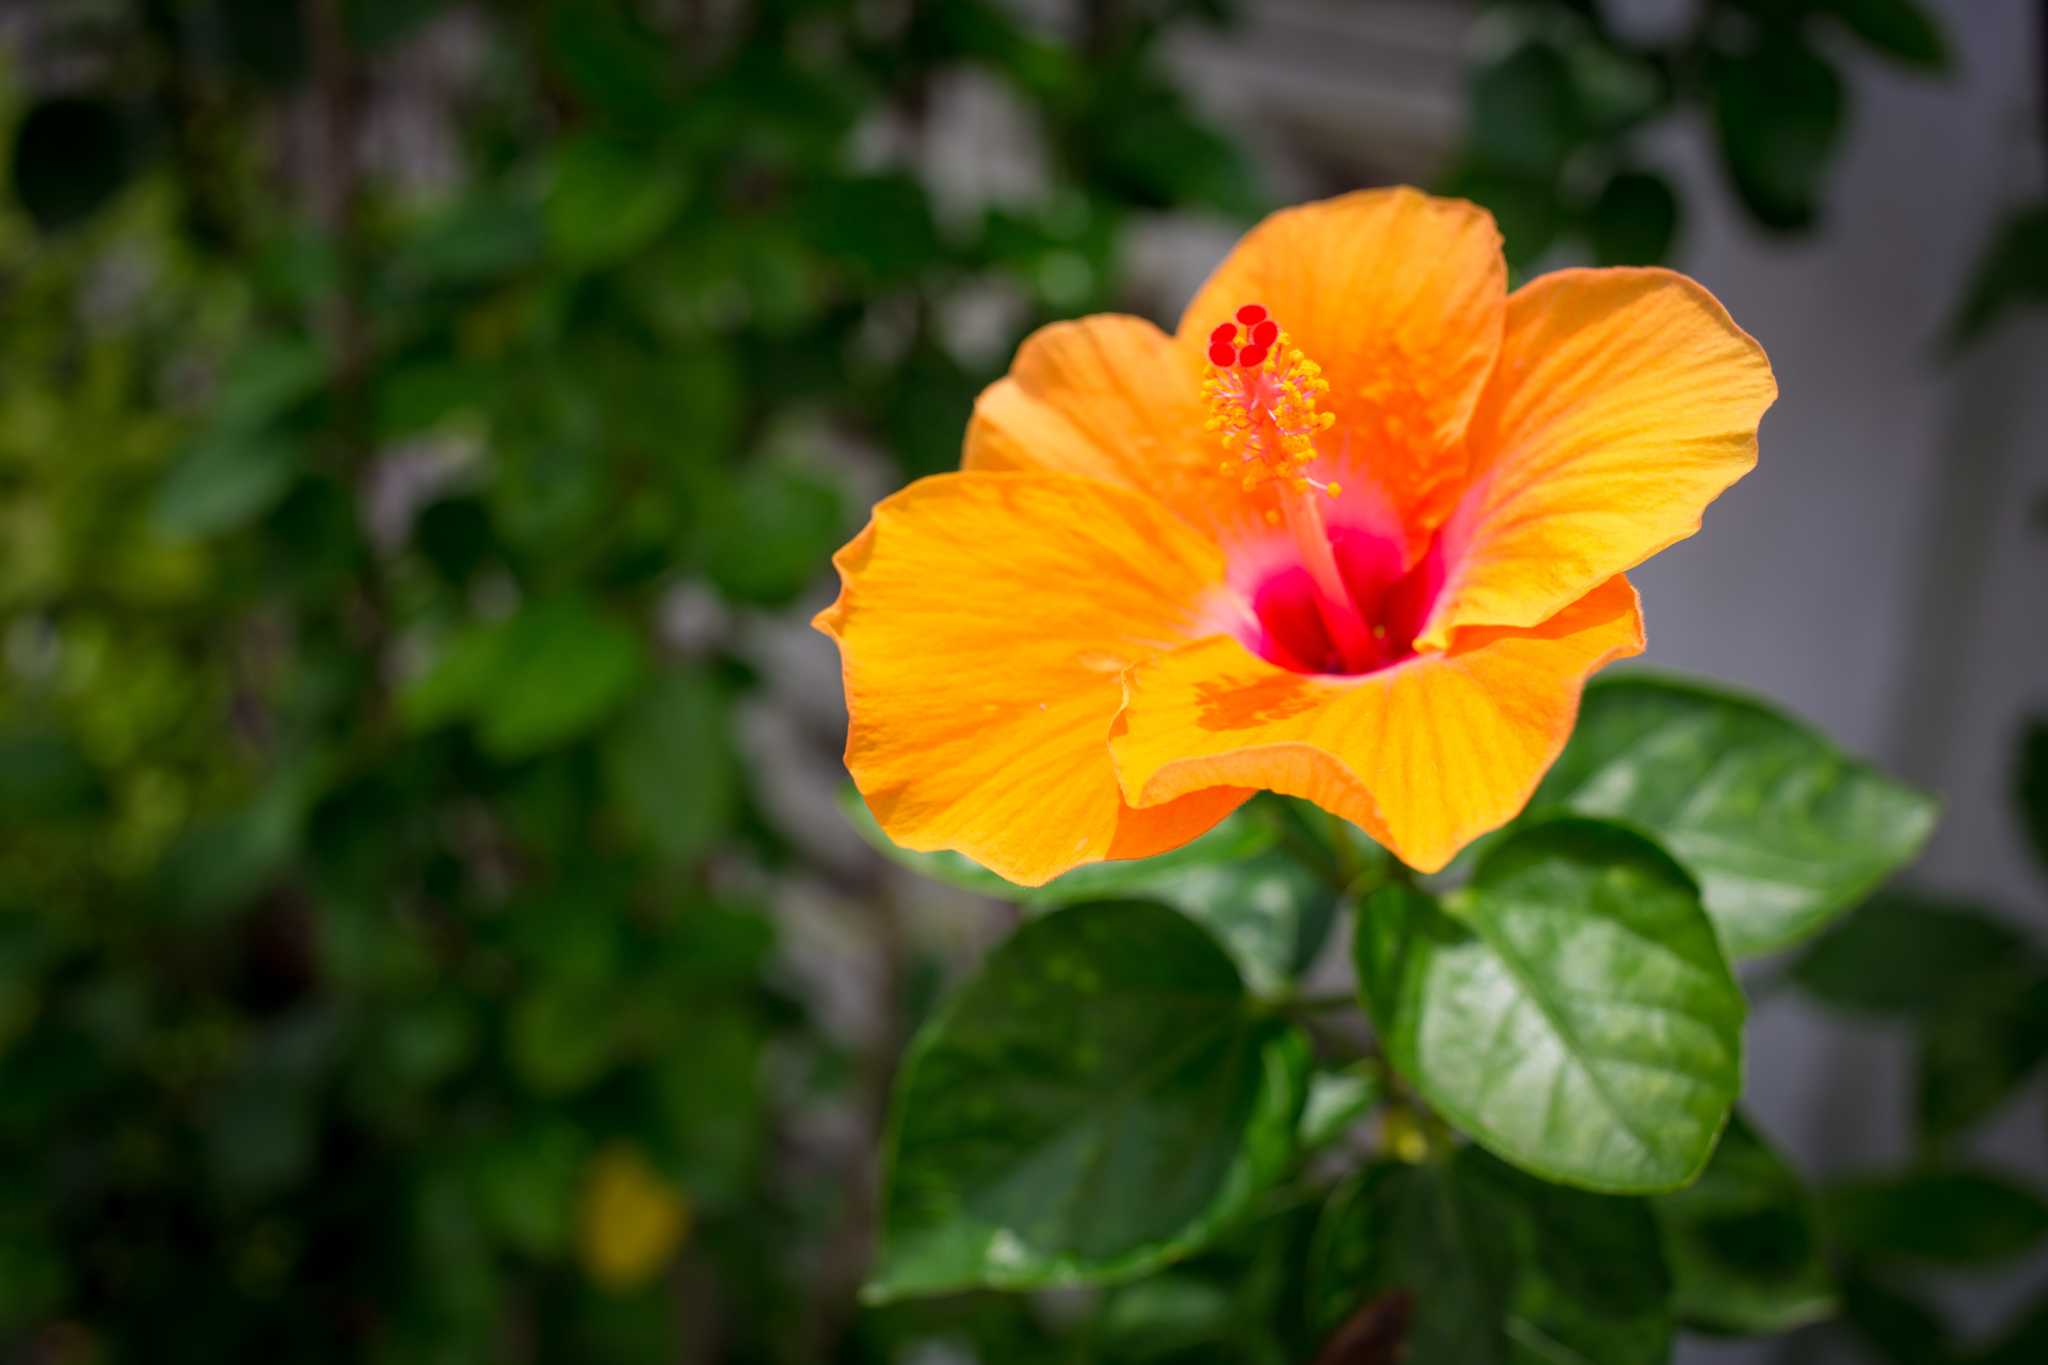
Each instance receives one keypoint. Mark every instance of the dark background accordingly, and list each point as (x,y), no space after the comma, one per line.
(428,926)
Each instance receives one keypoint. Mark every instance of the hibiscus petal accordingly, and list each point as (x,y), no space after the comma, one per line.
(984,623)
(1399,296)
(1109,397)
(1625,402)
(1424,756)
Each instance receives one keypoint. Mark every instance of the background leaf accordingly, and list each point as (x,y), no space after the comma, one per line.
(1745,1243)
(1780,108)
(1906,954)
(71,155)
(1569,1008)
(2030,786)
(1494,1266)
(1940,1217)
(1898,28)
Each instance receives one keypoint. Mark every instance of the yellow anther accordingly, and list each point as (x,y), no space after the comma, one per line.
(1265,413)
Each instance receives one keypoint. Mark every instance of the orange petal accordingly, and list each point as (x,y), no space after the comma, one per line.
(1109,397)
(1625,401)
(1424,756)
(984,622)
(1399,297)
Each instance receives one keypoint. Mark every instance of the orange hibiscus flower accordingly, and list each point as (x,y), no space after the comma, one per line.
(1355,533)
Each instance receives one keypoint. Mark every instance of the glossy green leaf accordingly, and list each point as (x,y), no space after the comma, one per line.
(1744,1242)
(1940,1217)
(1257,898)
(1098,1101)
(1569,1008)
(1906,954)
(1496,1267)
(1781,829)
(1781,108)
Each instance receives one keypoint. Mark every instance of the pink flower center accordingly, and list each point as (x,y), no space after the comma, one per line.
(1388,606)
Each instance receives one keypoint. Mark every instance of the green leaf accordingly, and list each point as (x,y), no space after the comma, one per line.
(770,533)
(1979,1048)
(224,483)
(1098,1101)
(1495,1266)
(45,776)
(1780,108)
(2030,779)
(1782,830)
(1898,28)
(1634,221)
(2025,1342)
(607,202)
(1525,112)
(879,226)
(1744,1242)
(1260,902)
(1940,1217)
(565,1033)
(268,379)
(613,63)
(1528,208)
(1896,1327)
(523,1183)
(1904,954)
(669,763)
(541,679)
(1569,1008)
(2012,271)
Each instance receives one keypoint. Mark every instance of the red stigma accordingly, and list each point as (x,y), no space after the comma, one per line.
(1252,314)
(1222,354)
(1251,357)
(1224,331)
(1266,333)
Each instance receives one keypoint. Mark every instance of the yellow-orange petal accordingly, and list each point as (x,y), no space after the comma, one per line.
(1424,756)
(984,622)
(1108,397)
(1625,401)
(1400,297)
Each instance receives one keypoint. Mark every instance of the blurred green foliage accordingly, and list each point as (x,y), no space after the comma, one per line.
(385,971)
